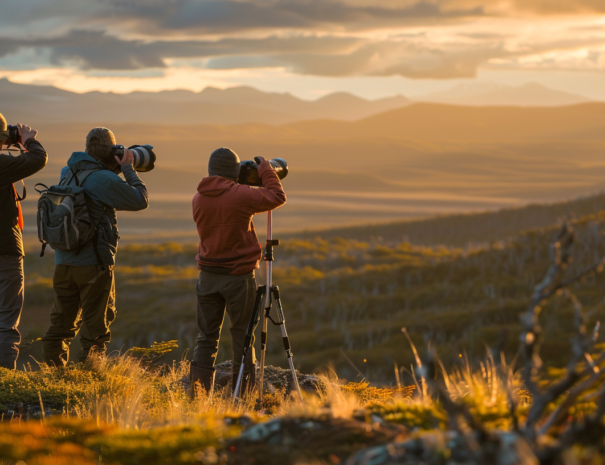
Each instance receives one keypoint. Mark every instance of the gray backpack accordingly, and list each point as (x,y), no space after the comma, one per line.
(64,221)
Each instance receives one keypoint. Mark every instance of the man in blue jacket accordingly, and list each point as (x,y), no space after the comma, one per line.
(84,282)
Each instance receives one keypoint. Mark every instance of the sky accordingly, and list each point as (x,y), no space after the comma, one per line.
(373,48)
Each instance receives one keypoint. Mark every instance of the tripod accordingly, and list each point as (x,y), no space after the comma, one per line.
(265,296)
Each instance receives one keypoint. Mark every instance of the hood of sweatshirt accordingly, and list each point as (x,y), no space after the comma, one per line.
(214,186)
(83,161)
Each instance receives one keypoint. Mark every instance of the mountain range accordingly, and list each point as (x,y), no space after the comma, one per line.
(42,104)
(492,94)
(210,106)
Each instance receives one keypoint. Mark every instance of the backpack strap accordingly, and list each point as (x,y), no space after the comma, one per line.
(80,176)
(95,247)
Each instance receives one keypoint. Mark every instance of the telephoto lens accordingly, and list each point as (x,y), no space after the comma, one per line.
(13,135)
(144,156)
(248,174)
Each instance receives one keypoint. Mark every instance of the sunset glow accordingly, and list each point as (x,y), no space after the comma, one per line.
(309,48)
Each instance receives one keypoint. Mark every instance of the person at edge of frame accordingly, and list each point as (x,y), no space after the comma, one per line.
(12,169)
(228,254)
(83,281)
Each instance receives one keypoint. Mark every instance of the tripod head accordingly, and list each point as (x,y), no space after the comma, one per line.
(268,256)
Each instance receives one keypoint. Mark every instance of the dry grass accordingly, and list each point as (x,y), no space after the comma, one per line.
(130,412)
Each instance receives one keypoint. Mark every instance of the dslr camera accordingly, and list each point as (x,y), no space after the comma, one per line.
(248,174)
(144,157)
(14,137)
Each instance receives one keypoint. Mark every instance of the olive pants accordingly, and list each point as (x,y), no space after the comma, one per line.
(11,304)
(84,297)
(215,292)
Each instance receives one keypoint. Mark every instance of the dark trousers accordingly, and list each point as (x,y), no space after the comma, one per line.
(11,304)
(215,292)
(84,296)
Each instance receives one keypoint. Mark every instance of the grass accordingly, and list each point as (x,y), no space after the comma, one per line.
(124,410)
(129,412)
(346,302)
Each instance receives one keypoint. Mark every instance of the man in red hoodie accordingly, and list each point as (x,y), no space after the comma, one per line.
(228,254)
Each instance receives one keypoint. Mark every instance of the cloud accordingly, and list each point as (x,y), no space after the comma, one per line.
(97,50)
(308,14)
(438,39)
(377,59)
(326,55)
(557,7)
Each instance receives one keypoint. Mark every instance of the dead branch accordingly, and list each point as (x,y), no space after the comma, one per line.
(582,344)
(531,338)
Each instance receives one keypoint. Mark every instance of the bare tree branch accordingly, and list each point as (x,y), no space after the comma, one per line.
(582,344)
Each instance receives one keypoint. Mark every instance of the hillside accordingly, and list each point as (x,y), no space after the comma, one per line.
(437,122)
(466,229)
(419,162)
(352,295)
(346,302)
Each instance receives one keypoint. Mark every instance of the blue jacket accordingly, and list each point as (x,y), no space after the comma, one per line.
(108,193)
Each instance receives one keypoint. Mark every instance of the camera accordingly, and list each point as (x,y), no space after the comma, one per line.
(248,174)
(13,135)
(144,157)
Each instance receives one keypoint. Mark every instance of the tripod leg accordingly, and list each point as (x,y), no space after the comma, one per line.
(258,303)
(286,340)
(263,346)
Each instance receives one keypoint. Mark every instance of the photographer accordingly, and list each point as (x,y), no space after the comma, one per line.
(229,252)
(84,279)
(13,169)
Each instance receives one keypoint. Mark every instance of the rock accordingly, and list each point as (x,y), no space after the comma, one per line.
(295,440)
(502,448)
(275,378)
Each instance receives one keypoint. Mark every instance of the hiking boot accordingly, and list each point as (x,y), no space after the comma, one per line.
(202,376)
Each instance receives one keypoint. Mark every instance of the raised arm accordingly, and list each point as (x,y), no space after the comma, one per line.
(13,169)
(126,196)
(272,194)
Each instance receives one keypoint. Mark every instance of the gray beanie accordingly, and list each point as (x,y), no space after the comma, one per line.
(224,162)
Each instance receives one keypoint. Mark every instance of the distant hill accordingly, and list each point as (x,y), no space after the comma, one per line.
(211,106)
(431,122)
(491,94)
(464,229)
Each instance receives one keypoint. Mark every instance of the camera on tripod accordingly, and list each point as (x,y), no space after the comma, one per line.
(248,174)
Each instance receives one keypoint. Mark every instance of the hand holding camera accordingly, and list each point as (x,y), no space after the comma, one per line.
(19,134)
(126,158)
(26,132)
(141,157)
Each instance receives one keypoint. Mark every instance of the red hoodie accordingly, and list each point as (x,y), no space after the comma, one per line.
(223,211)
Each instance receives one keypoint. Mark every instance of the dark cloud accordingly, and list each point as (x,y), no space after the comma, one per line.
(316,55)
(222,16)
(97,50)
(234,15)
